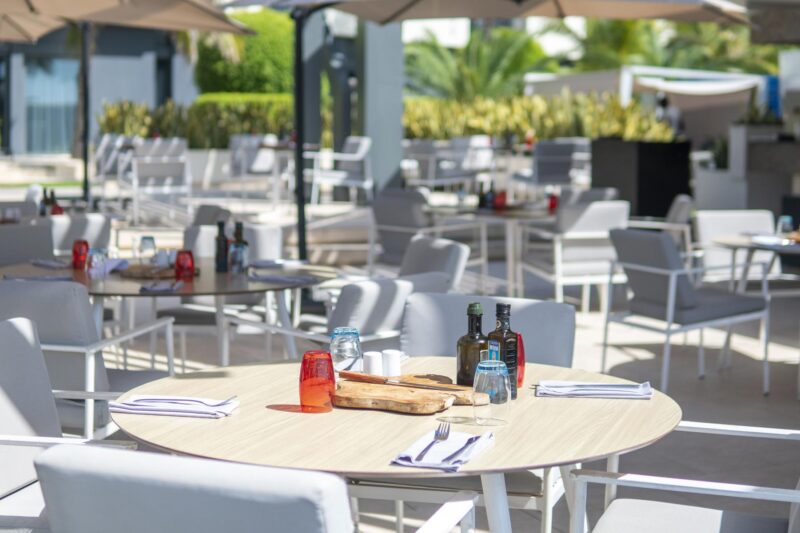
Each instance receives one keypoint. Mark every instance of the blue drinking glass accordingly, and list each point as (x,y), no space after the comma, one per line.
(491,378)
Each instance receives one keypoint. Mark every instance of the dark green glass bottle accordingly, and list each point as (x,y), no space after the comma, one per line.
(503,345)
(470,346)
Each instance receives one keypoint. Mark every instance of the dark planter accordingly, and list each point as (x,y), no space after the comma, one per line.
(648,174)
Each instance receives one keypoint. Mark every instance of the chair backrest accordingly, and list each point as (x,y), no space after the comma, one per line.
(248,154)
(656,250)
(359,147)
(714,224)
(27,208)
(378,305)
(479,154)
(553,160)
(92,227)
(426,254)
(433,324)
(264,241)
(92,489)
(27,407)
(423,151)
(21,243)
(399,208)
(680,211)
(63,315)
(584,196)
(210,214)
(592,217)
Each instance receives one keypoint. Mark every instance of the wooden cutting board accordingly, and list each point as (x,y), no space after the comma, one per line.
(407,400)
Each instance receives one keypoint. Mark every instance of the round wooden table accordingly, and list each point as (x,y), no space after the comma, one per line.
(268,428)
(207,283)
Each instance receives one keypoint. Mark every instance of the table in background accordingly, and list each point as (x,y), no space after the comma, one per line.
(207,283)
(746,242)
(269,430)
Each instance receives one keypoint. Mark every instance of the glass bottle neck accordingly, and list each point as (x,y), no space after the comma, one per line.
(475,323)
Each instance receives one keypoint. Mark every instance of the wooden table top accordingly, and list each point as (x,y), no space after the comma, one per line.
(207,283)
(268,428)
(787,246)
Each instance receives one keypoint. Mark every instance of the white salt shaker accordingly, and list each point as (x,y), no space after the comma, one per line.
(373,363)
(391,363)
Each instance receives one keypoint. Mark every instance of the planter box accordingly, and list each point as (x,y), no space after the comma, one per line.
(648,175)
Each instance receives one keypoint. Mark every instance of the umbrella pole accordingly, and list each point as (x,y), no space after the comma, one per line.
(299,16)
(85,36)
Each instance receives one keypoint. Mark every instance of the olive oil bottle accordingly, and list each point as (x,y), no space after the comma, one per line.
(503,345)
(470,346)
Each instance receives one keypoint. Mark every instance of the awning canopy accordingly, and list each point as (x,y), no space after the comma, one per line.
(698,87)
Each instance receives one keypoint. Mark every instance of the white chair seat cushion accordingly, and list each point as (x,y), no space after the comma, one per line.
(543,260)
(637,516)
(23,510)
(711,304)
(71,412)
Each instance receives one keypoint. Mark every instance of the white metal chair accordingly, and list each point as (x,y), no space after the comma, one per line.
(578,252)
(557,163)
(677,223)
(151,492)
(637,515)
(74,350)
(352,168)
(431,326)
(663,292)
(28,423)
(210,214)
(434,166)
(21,243)
(92,227)
(374,307)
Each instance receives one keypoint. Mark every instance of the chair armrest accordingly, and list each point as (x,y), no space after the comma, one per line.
(111,341)
(280,330)
(334,156)
(695,270)
(86,395)
(691,486)
(451,513)
(656,224)
(738,431)
(47,442)
(542,233)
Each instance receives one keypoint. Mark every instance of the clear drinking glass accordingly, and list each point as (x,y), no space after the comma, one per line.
(96,262)
(346,349)
(785,224)
(147,248)
(491,378)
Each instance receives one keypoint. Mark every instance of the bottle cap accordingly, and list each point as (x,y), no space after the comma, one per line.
(504,309)
(475,309)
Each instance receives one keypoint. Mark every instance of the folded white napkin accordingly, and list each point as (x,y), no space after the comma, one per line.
(576,389)
(441,455)
(161,286)
(52,264)
(770,240)
(278,263)
(37,278)
(109,266)
(175,406)
(291,280)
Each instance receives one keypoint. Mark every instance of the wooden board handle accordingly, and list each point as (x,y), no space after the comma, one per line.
(361,377)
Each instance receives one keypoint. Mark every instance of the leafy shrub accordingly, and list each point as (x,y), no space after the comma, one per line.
(126,118)
(214,117)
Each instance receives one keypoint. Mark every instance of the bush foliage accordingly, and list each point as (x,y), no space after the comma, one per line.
(213,118)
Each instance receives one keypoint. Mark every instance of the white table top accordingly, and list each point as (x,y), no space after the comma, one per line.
(268,428)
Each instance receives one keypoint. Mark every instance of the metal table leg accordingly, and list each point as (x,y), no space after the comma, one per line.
(496,501)
(223,348)
(511,256)
(285,321)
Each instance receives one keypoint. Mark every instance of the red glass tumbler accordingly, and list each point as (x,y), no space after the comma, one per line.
(184,266)
(317,382)
(80,251)
(552,203)
(520,361)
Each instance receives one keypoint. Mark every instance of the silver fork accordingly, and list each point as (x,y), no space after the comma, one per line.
(441,434)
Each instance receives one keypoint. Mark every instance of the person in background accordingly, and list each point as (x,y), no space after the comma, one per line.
(666,112)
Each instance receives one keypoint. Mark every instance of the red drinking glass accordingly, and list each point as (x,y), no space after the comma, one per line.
(500,200)
(80,251)
(317,382)
(520,361)
(552,203)
(184,266)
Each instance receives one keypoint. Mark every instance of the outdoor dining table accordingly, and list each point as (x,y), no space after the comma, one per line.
(752,244)
(206,283)
(269,428)
(512,217)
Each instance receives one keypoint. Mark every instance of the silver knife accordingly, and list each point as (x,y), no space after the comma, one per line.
(464,448)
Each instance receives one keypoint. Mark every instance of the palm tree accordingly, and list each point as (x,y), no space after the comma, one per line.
(491,65)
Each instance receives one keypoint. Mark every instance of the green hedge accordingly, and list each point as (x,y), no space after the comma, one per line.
(214,117)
